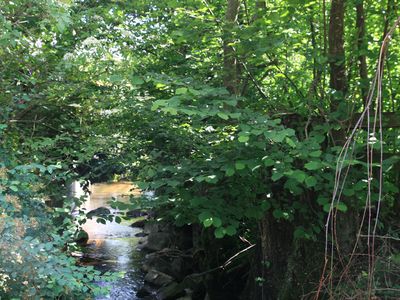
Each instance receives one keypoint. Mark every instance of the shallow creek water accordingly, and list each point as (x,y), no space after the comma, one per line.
(112,246)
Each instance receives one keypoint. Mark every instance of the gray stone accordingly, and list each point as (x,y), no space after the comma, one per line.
(171,291)
(157,278)
(143,240)
(140,234)
(157,241)
(187,297)
(151,227)
(156,261)
(136,213)
(169,262)
(143,292)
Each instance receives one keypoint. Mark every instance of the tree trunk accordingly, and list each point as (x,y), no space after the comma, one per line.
(261,7)
(270,262)
(336,54)
(231,77)
(346,224)
(361,47)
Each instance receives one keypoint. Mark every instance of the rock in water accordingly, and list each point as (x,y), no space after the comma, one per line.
(136,213)
(99,212)
(139,224)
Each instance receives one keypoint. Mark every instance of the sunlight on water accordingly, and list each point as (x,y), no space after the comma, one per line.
(101,194)
(112,246)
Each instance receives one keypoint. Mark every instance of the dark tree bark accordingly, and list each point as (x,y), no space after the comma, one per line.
(317,70)
(269,265)
(345,224)
(336,54)
(261,7)
(362,58)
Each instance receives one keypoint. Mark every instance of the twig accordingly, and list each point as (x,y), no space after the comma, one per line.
(380,237)
(236,255)
(225,264)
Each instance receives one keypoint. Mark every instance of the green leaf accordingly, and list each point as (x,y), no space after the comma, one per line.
(200,178)
(101,220)
(151,172)
(219,232)
(299,233)
(268,162)
(265,205)
(14,188)
(204,215)
(170,110)
(136,80)
(293,186)
(277,137)
(290,142)
(316,153)
(115,78)
(277,213)
(348,192)
(298,175)
(208,222)
(230,230)
(341,207)
(211,179)
(235,115)
(159,103)
(161,86)
(223,115)
(322,200)
(326,207)
(229,171)
(276,176)
(181,91)
(313,165)
(239,165)
(173,183)
(310,181)
(243,138)
(142,185)
(216,222)
(196,201)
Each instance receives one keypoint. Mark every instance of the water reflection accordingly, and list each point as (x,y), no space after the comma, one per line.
(112,246)
(101,194)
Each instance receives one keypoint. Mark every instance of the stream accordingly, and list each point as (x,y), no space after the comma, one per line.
(112,246)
